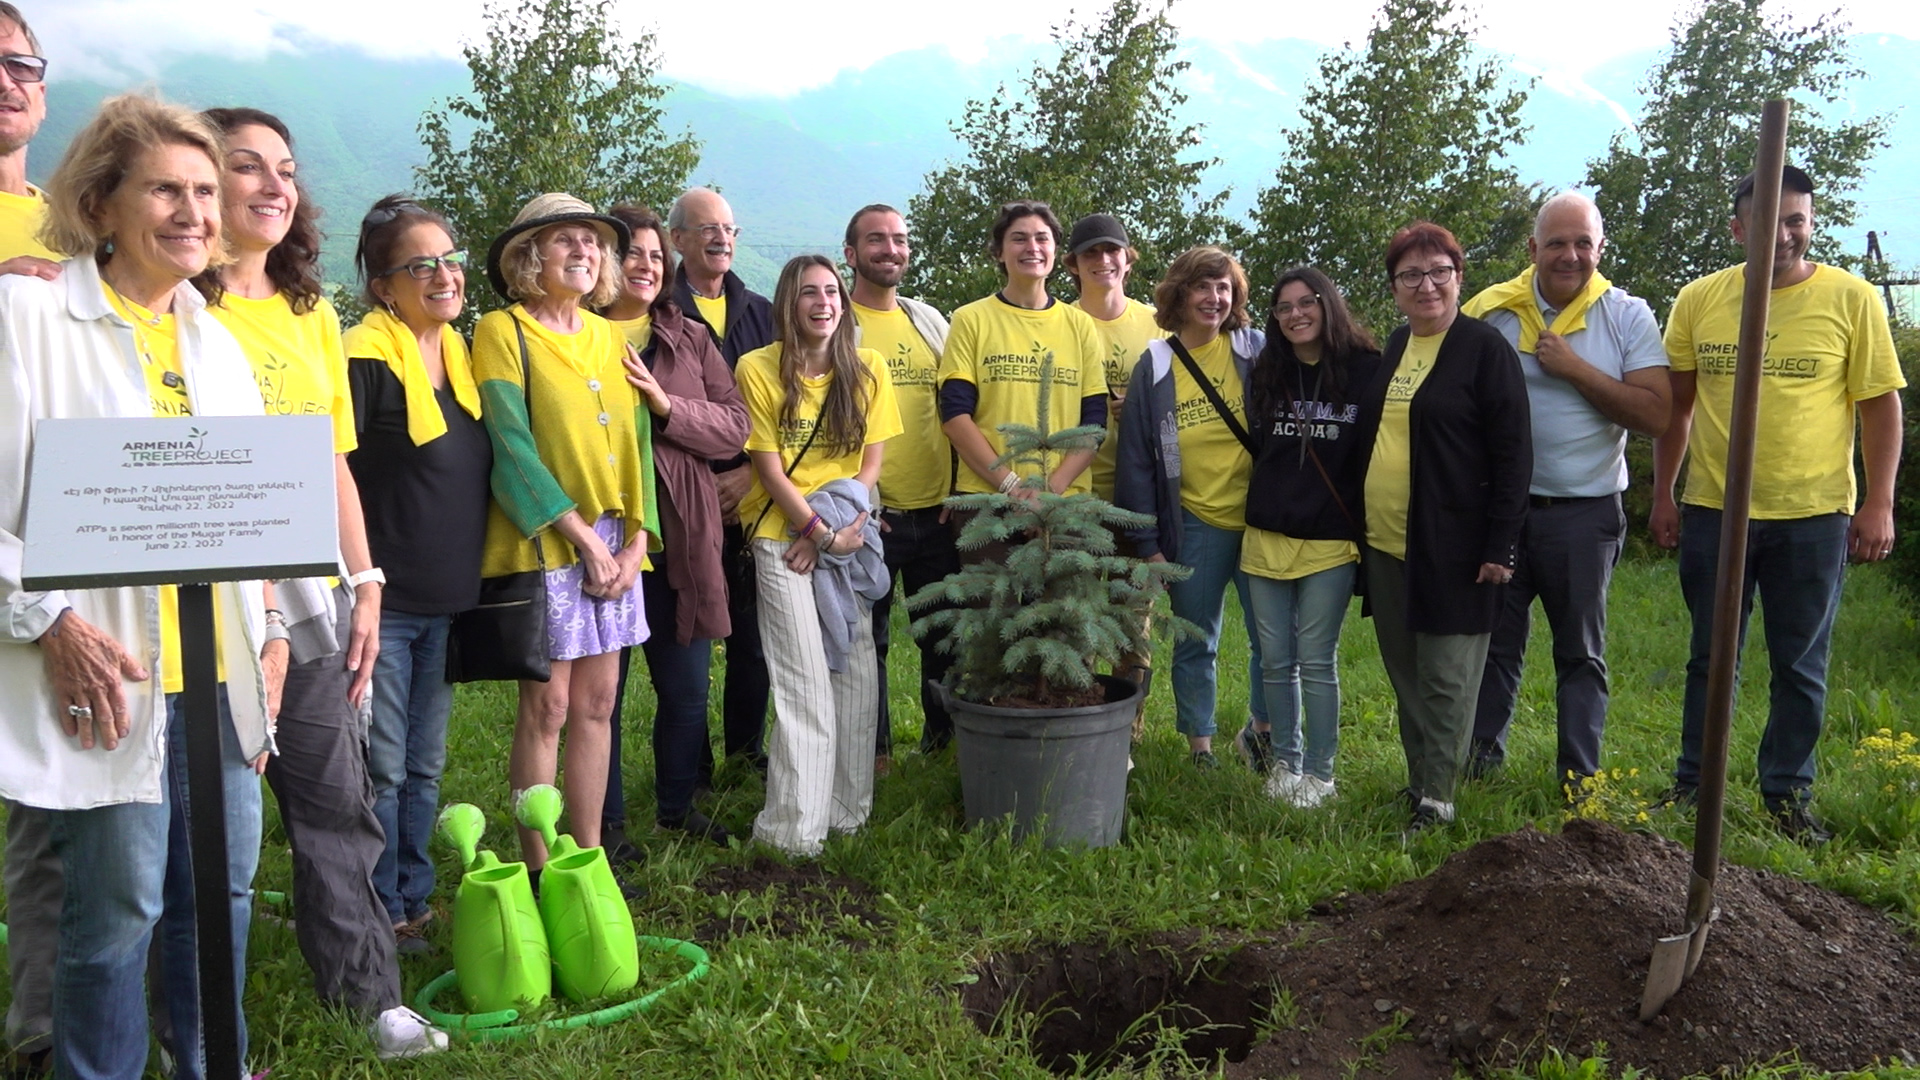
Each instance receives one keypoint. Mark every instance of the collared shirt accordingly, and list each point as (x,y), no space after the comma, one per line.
(1577,451)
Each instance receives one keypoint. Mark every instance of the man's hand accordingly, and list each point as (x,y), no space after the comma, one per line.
(363,642)
(1556,357)
(273,670)
(1664,522)
(1493,574)
(1870,535)
(31,266)
(733,486)
(85,667)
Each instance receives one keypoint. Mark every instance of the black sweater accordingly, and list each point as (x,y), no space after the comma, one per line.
(1471,455)
(1287,492)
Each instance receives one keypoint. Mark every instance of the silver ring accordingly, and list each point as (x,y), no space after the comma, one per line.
(80,712)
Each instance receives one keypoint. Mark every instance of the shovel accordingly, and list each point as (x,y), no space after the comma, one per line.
(1674,958)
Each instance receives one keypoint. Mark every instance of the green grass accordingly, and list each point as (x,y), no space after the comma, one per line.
(1203,851)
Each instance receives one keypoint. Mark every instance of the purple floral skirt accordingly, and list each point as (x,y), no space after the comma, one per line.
(580,625)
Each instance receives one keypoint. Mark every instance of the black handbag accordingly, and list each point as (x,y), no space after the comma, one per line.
(503,637)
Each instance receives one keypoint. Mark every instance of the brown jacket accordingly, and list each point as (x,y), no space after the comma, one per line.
(708,422)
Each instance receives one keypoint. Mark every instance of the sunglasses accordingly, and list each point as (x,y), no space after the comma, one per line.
(24,67)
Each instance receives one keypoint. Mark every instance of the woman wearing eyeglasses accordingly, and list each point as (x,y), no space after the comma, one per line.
(422,467)
(1301,548)
(1446,493)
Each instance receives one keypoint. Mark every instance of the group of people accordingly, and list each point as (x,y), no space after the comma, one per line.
(684,461)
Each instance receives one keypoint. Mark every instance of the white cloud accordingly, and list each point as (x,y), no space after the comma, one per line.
(756,47)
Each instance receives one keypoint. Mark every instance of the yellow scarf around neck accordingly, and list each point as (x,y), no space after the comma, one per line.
(382,336)
(1516,295)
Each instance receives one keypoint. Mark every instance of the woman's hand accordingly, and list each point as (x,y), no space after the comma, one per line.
(273,670)
(363,642)
(85,668)
(1493,574)
(642,380)
(848,540)
(628,562)
(600,570)
(802,555)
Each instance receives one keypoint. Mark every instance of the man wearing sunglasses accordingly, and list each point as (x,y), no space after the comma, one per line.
(33,878)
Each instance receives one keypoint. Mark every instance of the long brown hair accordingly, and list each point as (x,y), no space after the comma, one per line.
(1341,337)
(843,415)
(294,263)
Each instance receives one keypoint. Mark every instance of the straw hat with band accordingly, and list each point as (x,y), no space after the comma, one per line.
(554,208)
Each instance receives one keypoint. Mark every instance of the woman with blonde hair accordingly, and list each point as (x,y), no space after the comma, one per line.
(573,492)
(92,736)
(821,411)
(1184,458)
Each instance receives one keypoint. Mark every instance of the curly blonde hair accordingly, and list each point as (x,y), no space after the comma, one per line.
(97,160)
(520,265)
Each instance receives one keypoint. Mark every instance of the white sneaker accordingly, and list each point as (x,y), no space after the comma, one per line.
(402,1033)
(1310,792)
(1282,783)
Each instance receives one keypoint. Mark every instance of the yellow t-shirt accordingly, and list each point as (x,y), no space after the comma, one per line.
(1390,471)
(1123,340)
(638,332)
(1283,558)
(20,219)
(157,339)
(714,313)
(999,349)
(1828,347)
(759,376)
(1213,465)
(918,467)
(297,359)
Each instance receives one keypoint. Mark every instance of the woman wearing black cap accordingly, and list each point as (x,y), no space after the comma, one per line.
(572,484)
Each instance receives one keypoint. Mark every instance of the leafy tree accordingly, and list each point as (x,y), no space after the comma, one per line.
(1093,132)
(560,102)
(1665,187)
(1411,126)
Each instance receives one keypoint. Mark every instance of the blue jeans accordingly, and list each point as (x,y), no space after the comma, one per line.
(1298,622)
(407,752)
(1214,556)
(1797,566)
(116,863)
(179,953)
(681,690)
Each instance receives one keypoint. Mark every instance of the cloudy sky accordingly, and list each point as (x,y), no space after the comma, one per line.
(776,48)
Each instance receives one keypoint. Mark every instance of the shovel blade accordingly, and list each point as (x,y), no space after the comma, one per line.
(1674,958)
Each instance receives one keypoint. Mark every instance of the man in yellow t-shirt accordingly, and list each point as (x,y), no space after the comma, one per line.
(917,473)
(701,229)
(1099,258)
(34,881)
(1829,357)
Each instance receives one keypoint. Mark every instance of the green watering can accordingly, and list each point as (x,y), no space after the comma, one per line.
(499,945)
(589,929)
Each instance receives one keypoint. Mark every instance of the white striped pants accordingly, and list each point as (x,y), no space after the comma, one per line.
(820,748)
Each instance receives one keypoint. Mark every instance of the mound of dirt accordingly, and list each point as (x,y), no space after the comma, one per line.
(808,899)
(1525,942)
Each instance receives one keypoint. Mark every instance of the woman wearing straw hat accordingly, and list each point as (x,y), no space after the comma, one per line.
(572,484)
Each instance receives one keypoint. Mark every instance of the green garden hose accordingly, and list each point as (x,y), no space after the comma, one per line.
(498,1026)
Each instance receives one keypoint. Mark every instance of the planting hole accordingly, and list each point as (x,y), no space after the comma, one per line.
(1103,1004)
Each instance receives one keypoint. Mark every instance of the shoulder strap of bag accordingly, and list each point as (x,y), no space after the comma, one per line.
(765,510)
(526,395)
(1213,395)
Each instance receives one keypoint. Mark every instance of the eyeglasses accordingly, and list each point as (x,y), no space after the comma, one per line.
(426,266)
(1411,279)
(1307,303)
(24,67)
(715,232)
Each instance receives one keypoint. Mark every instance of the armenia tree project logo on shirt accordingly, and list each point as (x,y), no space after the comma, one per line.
(1197,410)
(273,377)
(1723,358)
(1018,368)
(904,371)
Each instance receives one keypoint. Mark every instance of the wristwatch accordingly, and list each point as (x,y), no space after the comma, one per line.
(372,573)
